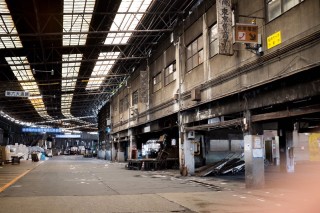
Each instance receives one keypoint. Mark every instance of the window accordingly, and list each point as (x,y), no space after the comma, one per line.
(125,102)
(195,53)
(277,7)
(115,107)
(213,41)
(135,98)
(157,82)
(121,106)
(169,73)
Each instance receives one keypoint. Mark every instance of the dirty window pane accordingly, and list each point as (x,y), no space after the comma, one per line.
(274,9)
(189,64)
(200,43)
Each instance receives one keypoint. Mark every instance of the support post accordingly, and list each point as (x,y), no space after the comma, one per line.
(254,154)
(254,161)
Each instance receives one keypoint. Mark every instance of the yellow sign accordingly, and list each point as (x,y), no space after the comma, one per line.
(274,40)
(246,33)
(314,146)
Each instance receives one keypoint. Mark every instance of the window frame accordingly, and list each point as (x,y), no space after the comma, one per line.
(125,102)
(282,4)
(170,76)
(121,106)
(194,58)
(156,82)
(215,42)
(135,97)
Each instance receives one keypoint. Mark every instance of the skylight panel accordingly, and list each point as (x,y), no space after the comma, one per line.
(7,27)
(102,68)
(66,100)
(78,22)
(21,69)
(70,71)
(123,22)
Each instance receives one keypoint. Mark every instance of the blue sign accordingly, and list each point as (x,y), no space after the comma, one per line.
(54,130)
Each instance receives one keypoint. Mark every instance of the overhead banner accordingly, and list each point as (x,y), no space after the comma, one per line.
(224,21)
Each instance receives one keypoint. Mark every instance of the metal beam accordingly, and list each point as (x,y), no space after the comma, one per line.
(75,61)
(286,113)
(83,33)
(219,125)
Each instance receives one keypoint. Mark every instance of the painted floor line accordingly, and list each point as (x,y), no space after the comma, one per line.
(16,179)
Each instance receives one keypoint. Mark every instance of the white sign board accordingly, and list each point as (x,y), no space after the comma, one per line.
(17,93)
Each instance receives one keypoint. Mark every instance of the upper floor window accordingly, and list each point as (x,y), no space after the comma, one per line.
(135,96)
(169,73)
(195,53)
(157,82)
(115,108)
(277,7)
(125,102)
(213,40)
(121,106)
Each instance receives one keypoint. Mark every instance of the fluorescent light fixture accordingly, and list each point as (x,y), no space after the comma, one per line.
(125,22)
(21,69)
(7,27)
(102,68)
(76,20)
(35,97)
(93,133)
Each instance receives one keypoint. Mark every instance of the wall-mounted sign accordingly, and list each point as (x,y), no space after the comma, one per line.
(274,40)
(17,93)
(224,22)
(246,33)
(31,129)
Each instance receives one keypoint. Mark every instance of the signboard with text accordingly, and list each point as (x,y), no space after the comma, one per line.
(224,23)
(246,33)
(274,40)
(17,93)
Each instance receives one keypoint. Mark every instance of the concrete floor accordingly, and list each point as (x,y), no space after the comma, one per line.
(77,184)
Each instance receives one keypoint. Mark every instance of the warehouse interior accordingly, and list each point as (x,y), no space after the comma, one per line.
(119,79)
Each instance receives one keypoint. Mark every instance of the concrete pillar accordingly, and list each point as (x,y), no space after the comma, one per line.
(290,137)
(254,161)
(206,65)
(253,153)
(188,149)
(130,143)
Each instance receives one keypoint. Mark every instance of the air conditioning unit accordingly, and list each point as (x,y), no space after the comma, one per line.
(196,94)
(191,135)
